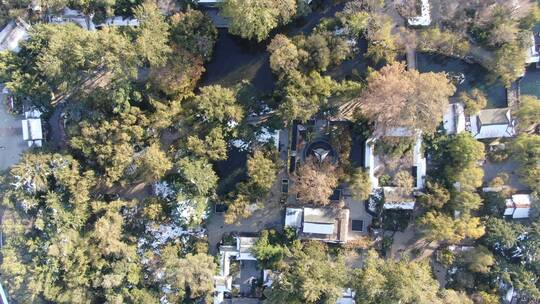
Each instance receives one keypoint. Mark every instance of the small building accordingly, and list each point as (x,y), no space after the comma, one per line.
(325,224)
(394,198)
(243,246)
(454,118)
(347,297)
(492,123)
(31,128)
(518,206)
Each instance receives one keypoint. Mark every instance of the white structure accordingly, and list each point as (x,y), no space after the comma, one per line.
(518,206)
(293,218)
(492,123)
(31,128)
(425,17)
(454,118)
(533,56)
(13,34)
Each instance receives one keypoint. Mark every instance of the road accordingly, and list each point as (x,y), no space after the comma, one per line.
(11,142)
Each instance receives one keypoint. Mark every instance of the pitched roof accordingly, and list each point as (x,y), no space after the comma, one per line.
(494,116)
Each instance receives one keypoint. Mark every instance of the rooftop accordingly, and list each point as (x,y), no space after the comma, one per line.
(494,116)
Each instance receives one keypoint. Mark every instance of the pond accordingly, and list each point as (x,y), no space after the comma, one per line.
(530,83)
(231,171)
(476,76)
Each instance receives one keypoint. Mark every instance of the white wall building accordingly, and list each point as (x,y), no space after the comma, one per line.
(425,15)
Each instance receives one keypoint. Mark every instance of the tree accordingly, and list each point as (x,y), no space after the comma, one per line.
(381,41)
(525,150)
(199,176)
(153,163)
(528,113)
(193,31)
(213,146)
(237,209)
(360,185)
(303,95)
(463,150)
(450,296)
(262,171)
(466,201)
(436,197)
(389,281)
(152,34)
(253,19)
(312,275)
(108,144)
(508,63)
(446,42)
(474,101)
(404,181)
(315,183)
(440,227)
(480,260)
(191,278)
(217,104)
(502,234)
(179,76)
(59,61)
(268,253)
(396,97)
(284,55)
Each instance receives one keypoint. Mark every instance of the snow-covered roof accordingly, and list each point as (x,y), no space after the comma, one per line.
(32,132)
(425,17)
(293,217)
(267,136)
(518,206)
(318,228)
(454,118)
(394,198)
(532,52)
(244,245)
(420,162)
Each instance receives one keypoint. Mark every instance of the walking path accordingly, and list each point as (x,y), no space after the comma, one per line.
(411,57)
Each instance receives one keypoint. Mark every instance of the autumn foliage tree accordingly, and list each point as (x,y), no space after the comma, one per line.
(314,182)
(396,97)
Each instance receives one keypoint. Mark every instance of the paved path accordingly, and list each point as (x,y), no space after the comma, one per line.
(11,141)
(411,57)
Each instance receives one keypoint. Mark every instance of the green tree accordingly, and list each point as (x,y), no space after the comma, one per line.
(436,197)
(152,34)
(528,113)
(193,31)
(153,163)
(525,150)
(466,201)
(360,185)
(213,146)
(480,260)
(59,61)
(404,181)
(437,226)
(474,101)
(389,281)
(199,175)
(303,95)
(447,42)
(284,55)
(262,171)
(312,275)
(267,252)
(238,208)
(217,104)
(253,19)
(502,233)
(108,144)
